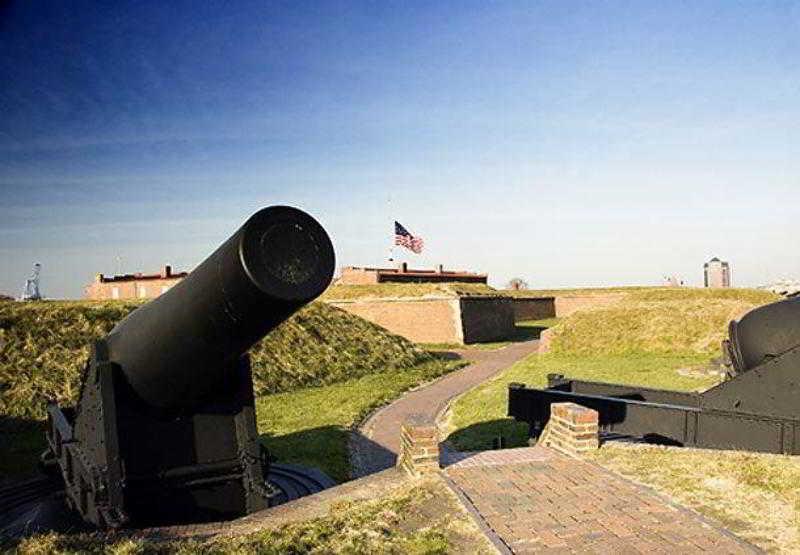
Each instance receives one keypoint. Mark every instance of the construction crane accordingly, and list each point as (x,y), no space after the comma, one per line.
(31,291)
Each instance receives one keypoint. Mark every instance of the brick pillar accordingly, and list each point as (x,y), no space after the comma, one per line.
(419,445)
(571,430)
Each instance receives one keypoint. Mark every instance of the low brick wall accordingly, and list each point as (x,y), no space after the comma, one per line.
(438,319)
(572,429)
(487,319)
(422,320)
(534,308)
(419,446)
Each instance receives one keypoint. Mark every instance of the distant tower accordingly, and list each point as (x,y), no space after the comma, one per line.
(717,273)
(31,291)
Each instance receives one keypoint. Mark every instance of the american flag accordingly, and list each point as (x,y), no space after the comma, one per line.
(403,238)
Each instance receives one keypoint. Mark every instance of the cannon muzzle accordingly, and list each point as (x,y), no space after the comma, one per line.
(175,350)
(764,333)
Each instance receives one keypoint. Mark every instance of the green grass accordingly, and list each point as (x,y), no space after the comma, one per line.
(422,518)
(43,347)
(665,320)
(479,416)
(641,340)
(575,291)
(399,290)
(310,426)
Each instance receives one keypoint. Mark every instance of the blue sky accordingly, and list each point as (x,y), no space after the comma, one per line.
(569,143)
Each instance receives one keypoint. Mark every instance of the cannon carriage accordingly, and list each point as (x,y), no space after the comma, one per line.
(757,407)
(165,430)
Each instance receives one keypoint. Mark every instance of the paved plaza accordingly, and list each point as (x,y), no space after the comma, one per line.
(534,500)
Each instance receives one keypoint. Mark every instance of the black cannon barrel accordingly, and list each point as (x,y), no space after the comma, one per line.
(765,332)
(176,349)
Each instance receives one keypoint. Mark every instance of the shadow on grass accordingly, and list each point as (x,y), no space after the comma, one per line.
(486,435)
(325,448)
(21,442)
(526,333)
(446,355)
(522,332)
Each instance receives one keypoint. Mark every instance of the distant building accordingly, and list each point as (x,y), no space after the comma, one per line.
(352,275)
(132,286)
(673,281)
(717,273)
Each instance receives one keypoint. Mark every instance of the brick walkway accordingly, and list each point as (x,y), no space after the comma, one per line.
(375,448)
(534,500)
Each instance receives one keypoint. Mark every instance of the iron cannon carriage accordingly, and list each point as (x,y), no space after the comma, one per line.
(757,407)
(165,430)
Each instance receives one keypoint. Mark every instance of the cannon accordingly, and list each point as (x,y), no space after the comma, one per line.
(756,408)
(164,430)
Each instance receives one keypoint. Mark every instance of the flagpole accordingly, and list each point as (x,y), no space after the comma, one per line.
(391,238)
(391,245)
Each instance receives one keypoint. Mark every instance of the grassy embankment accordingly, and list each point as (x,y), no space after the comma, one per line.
(402,290)
(420,518)
(315,376)
(644,338)
(661,338)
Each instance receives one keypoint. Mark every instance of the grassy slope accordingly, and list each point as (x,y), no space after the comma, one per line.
(396,290)
(660,320)
(573,291)
(422,518)
(310,426)
(643,339)
(44,346)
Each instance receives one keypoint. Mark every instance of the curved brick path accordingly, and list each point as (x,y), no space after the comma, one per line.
(534,500)
(376,445)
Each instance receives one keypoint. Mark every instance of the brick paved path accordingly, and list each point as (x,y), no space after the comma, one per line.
(534,500)
(375,448)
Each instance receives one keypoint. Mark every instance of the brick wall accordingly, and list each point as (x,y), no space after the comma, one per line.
(487,318)
(438,319)
(534,308)
(419,446)
(422,320)
(358,276)
(571,430)
(128,289)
